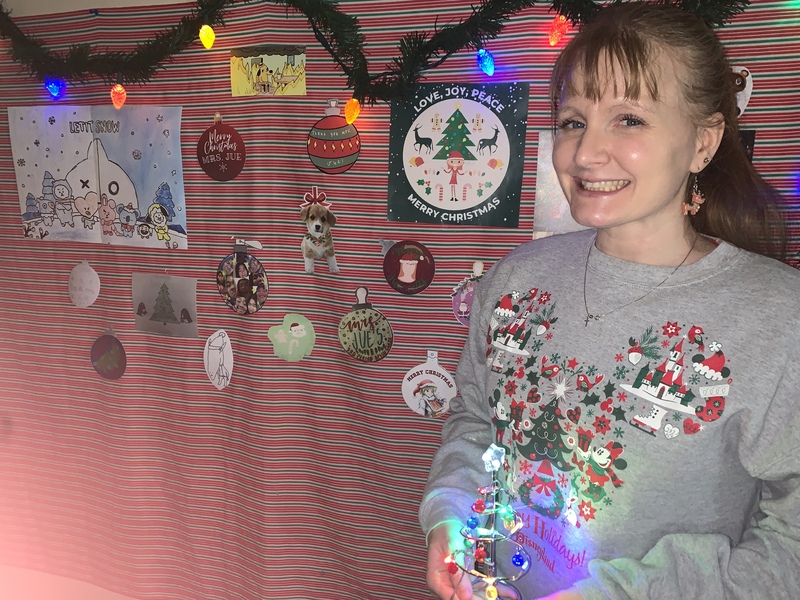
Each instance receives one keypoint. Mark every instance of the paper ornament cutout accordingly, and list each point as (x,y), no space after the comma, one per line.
(742,81)
(241,279)
(294,339)
(364,333)
(408,267)
(84,285)
(333,143)
(464,292)
(108,356)
(428,388)
(220,151)
(218,359)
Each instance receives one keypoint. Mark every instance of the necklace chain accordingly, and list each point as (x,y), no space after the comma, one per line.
(598,317)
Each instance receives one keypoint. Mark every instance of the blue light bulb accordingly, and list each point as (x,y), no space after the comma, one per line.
(472,522)
(486,61)
(56,87)
(518,559)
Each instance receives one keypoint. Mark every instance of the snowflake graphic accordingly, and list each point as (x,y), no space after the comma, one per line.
(549,336)
(618,357)
(21,162)
(536,345)
(676,416)
(223,167)
(618,432)
(525,467)
(622,396)
(591,371)
(567,426)
(620,372)
(563,480)
(137,155)
(51,120)
(555,357)
(694,379)
(590,412)
(671,329)
(520,360)
(607,501)
(544,298)
(665,344)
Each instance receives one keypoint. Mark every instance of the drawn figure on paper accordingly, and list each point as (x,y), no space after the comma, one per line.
(63,194)
(127,219)
(218,372)
(107,215)
(87,208)
(113,182)
(157,217)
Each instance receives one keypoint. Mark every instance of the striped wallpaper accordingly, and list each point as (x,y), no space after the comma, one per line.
(300,480)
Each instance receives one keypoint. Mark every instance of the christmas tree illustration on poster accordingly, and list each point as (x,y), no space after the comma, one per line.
(456,154)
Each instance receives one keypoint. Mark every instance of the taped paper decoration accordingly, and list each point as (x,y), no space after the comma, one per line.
(108,356)
(84,285)
(409,267)
(428,388)
(364,333)
(464,292)
(294,339)
(165,304)
(220,151)
(742,81)
(218,359)
(241,279)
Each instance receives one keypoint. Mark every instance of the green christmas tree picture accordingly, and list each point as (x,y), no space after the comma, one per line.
(163,310)
(547,438)
(455,137)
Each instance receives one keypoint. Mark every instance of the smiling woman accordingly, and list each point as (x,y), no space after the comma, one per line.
(671,269)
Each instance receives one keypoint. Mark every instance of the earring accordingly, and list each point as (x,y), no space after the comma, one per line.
(691,207)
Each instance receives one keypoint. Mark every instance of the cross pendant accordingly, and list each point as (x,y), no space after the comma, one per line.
(590,318)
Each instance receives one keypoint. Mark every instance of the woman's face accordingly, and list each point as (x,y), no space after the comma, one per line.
(624,164)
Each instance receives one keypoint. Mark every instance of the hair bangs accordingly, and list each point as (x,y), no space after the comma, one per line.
(605,57)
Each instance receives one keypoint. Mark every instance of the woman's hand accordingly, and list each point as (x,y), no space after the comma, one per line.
(442,540)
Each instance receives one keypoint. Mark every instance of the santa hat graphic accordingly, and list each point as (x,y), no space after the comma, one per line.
(422,384)
(713,367)
(506,308)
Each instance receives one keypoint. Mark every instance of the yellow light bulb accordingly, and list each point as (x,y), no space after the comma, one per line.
(351,110)
(118,95)
(207,36)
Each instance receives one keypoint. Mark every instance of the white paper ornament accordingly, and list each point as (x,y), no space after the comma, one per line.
(218,359)
(428,388)
(84,285)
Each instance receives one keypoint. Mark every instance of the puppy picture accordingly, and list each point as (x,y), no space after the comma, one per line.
(318,241)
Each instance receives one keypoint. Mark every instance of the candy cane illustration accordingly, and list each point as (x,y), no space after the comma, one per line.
(467,186)
(440,187)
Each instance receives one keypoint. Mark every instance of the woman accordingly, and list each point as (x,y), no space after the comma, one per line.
(641,375)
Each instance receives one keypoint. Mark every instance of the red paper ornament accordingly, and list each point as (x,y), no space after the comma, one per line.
(220,151)
(333,143)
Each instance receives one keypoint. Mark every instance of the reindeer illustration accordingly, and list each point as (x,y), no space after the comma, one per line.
(422,142)
(489,142)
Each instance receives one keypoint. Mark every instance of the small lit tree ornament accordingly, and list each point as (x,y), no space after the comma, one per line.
(489,529)
(207,36)
(486,61)
(558,29)
(118,93)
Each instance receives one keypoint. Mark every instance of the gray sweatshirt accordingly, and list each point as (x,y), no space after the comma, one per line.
(652,453)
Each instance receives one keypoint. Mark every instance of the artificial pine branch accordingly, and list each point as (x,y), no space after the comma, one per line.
(337,32)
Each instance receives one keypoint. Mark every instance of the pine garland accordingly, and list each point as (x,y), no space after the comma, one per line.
(339,33)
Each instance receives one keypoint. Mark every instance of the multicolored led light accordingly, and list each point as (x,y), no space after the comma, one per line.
(207,36)
(558,29)
(486,61)
(56,87)
(351,110)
